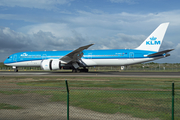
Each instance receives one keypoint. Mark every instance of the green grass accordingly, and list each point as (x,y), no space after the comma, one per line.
(141,104)
(8,106)
(11,92)
(104,82)
(138,97)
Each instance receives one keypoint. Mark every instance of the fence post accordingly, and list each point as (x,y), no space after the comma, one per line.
(173,101)
(67,88)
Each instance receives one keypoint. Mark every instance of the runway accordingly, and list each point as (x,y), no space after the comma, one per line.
(91,74)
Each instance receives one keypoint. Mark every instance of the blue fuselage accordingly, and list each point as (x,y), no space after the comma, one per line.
(98,57)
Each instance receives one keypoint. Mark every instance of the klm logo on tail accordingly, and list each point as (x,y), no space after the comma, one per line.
(153,41)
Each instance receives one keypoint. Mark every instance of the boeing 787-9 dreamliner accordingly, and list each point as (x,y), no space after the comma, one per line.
(82,58)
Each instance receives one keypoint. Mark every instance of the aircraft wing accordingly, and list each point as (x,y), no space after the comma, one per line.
(160,53)
(75,55)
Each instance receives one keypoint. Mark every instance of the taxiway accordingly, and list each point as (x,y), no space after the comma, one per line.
(92,74)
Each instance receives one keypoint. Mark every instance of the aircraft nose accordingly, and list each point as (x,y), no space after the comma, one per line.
(5,62)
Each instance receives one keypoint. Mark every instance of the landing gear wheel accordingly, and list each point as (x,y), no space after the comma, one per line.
(74,70)
(78,71)
(86,70)
(16,70)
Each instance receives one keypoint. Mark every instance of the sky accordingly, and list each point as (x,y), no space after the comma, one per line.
(38,25)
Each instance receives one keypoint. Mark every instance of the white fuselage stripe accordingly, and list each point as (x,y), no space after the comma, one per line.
(90,62)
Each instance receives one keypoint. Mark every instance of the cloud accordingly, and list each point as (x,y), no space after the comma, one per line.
(57,29)
(120,41)
(103,27)
(12,42)
(112,31)
(41,4)
(11,39)
(85,35)
(125,21)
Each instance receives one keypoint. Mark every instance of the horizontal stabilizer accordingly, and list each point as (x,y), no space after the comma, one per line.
(160,53)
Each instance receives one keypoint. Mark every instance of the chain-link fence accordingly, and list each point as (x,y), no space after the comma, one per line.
(89,99)
(126,103)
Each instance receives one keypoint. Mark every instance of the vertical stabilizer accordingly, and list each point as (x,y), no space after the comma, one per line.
(154,41)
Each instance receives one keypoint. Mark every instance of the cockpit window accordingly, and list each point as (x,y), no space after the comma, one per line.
(8,57)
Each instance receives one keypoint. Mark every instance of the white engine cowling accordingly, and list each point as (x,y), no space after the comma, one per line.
(54,64)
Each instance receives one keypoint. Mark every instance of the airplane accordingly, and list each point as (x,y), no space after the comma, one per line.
(83,58)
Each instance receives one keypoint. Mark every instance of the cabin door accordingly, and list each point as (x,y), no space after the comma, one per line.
(131,55)
(15,58)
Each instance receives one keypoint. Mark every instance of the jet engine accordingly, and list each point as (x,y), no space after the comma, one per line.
(54,64)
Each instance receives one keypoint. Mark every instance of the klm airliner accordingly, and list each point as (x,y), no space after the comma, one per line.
(82,58)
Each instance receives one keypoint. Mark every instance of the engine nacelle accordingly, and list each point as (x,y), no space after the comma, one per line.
(53,64)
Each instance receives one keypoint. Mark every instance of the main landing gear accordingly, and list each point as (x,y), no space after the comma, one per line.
(80,70)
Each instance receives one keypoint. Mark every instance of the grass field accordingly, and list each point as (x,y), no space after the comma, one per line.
(138,97)
(8,106)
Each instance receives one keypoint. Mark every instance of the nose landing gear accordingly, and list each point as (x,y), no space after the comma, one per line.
(15,68)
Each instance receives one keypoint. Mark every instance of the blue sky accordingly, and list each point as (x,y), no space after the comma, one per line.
(31,25)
